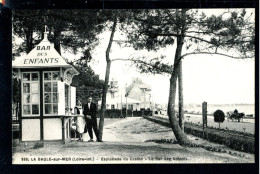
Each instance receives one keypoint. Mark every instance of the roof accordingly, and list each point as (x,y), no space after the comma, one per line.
(138,84)
(43,55)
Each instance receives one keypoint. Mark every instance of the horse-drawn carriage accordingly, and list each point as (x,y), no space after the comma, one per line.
(235,116)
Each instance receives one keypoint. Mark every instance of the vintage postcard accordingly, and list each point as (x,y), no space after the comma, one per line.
(133,86)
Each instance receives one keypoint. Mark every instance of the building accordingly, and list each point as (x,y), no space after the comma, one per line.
(136,96)
(47,96)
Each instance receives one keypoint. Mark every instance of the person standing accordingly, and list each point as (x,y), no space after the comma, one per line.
(90,111)
(80,120)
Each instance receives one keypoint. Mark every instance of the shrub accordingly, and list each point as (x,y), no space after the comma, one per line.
(219,116)
(38,145)
(236,140)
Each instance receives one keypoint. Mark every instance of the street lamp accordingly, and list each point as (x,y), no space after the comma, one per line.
(126,94)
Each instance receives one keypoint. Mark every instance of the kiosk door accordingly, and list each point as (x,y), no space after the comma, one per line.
(30,106)
(52,97)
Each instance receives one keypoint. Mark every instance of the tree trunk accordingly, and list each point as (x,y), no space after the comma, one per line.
(29,38)
(57,34)
(179,134)
(105,88)
(180,87)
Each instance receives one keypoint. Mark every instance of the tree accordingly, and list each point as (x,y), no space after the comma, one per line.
(219,116)
(16,97)
(103,104)
(74,30)
(230,34)
(114,18)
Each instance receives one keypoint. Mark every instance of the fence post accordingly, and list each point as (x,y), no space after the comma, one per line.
(204,120)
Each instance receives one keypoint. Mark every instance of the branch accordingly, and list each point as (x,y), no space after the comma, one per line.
(199,39)
(169,34)
(200,32)
(234,57)
(160,34)
(121,59)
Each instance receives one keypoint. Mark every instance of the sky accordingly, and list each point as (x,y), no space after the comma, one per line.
(214,79)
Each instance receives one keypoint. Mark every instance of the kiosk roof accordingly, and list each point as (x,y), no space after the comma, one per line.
(44,55)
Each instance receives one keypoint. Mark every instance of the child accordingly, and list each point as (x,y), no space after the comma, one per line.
(74,126)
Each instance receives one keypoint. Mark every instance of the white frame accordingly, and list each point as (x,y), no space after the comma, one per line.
(39,101)
(43,92)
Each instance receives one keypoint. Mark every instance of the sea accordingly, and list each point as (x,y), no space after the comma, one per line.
(247,109)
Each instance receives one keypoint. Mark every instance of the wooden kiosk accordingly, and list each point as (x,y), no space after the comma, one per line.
(46,94)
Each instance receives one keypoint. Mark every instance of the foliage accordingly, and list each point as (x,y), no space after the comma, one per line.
(38,145)
(16,88)
(163,141)
(231,33)
(87,83)
(73,30)
(219,116)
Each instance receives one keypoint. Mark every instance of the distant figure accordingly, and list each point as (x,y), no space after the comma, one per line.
(80,120)
(236,112)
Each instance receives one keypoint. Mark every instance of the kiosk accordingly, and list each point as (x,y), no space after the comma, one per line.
(46,95)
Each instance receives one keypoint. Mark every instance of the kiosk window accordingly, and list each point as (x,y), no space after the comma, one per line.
(66,96)
(50,92)
(35,77)
(26,76)
(30,93)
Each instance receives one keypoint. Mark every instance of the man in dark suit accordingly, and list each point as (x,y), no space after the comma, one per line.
(90,111)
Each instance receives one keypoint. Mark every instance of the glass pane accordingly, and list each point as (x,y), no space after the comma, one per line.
(66,95)
(26,76)
(47,76)
(55,76)
(35,77)
(35,98)
(55,97)
(47,98)
(55,86)
(47,87)
(55,109)
(26,109)
(35,87)
(48,109)
(35,109)
(26,98)
(26,88)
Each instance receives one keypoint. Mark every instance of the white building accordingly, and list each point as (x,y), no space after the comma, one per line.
(137,96)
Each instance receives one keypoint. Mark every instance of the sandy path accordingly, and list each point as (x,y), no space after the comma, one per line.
(124,142)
